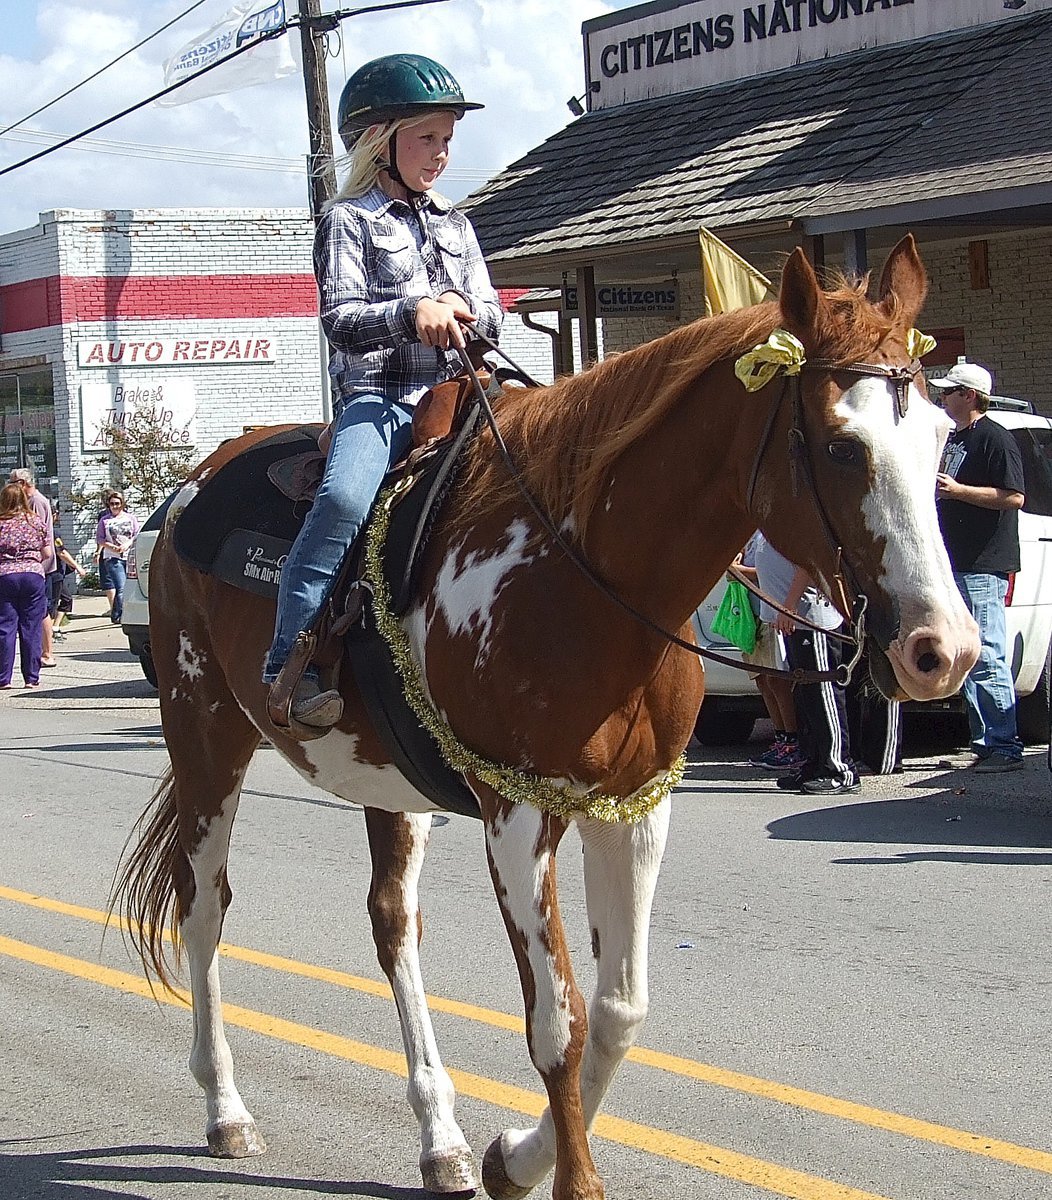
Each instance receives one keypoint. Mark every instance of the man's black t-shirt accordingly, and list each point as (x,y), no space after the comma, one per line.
(982,540)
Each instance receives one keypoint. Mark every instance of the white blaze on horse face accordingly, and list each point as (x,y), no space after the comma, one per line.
(900,510)
(900,507)
(520,872)
(466,591)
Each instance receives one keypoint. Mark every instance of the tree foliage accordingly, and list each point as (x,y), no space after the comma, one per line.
(147,461)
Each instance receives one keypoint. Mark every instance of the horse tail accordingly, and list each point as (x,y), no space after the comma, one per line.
(144,892)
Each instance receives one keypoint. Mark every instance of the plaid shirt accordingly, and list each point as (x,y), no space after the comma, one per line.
(375,259)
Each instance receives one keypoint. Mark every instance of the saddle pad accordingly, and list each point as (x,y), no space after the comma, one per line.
(239,527)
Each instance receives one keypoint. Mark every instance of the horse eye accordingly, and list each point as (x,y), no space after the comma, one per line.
(845,452)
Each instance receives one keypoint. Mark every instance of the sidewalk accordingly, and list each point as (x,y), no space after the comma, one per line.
(96,670)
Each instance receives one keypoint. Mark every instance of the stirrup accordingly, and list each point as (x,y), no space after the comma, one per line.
(283,692)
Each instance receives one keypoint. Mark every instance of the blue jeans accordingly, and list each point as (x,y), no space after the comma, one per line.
(113,574)
(372,433)
(989,693)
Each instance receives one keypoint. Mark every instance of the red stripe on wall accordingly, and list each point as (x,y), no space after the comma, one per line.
(61,299)
(25,305)
(508,296)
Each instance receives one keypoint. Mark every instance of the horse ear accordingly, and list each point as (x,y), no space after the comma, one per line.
(800,296)
(905,280)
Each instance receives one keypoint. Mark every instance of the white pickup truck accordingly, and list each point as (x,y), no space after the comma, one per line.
(732,704)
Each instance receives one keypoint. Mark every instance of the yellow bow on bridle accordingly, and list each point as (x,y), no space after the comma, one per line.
(783,354)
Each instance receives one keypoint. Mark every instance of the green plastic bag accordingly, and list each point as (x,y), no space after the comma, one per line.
(734,619)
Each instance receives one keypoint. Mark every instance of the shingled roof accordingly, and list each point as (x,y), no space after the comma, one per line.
(965,117)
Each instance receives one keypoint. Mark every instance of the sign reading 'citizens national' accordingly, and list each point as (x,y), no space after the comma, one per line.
(670,46)
(628,299)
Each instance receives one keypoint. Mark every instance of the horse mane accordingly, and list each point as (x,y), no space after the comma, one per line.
(567,437)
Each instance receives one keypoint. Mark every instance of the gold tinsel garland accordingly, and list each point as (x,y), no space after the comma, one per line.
(513,785)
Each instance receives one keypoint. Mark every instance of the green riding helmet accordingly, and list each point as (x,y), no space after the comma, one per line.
(396,86)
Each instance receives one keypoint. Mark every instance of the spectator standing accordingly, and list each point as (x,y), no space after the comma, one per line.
(41,507)
(875,723)
(63,599)
(115,532)
(979,492)
(827,768)
(776,691)
(24,543)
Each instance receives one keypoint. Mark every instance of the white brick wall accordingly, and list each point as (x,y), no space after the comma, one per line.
(185,242)
(1005,326)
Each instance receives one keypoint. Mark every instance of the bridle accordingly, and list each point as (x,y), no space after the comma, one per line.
(802,476)
(801,472)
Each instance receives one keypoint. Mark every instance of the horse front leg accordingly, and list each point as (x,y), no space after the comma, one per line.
(397,842)
(230,1129)
(521,844)
(621,865)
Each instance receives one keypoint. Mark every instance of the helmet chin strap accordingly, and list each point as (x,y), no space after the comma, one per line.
(390,168)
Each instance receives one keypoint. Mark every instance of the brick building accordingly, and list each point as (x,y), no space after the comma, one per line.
(837,125)
(207,316)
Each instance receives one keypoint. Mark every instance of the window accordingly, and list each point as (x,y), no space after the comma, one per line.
(27,427)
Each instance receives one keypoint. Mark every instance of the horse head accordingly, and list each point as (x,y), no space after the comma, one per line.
(865,444)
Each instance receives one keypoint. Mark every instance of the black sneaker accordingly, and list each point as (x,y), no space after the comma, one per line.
(824,785)
(792,782)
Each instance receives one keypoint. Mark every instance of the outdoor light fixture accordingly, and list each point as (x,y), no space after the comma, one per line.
(577,108)
(1012,5)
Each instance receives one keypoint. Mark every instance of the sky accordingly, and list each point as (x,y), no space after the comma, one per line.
(521,58)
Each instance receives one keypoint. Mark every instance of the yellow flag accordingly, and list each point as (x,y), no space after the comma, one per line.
(730,282)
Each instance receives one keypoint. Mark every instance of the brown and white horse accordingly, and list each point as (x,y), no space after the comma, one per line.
(657,465)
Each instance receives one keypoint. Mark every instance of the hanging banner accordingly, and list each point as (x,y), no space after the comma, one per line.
(245,22)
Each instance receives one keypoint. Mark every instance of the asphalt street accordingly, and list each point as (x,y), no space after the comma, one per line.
(850,999)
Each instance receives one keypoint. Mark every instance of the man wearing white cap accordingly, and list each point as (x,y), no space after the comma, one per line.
(980,492)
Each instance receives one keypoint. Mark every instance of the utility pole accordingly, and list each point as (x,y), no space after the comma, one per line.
(322,181)
(321,172)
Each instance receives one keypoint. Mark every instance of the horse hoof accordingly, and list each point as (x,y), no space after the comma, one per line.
(495,1177)
(452,1172)
(236,1141)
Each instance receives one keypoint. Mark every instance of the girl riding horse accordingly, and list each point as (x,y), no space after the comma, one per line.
(399,270)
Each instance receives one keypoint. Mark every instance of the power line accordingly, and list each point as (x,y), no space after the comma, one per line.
(331,20)
(199,157)
(131,50)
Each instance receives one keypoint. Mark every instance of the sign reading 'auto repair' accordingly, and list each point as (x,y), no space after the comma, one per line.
(175,352)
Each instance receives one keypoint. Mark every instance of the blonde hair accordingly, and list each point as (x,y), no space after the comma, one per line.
(368,155)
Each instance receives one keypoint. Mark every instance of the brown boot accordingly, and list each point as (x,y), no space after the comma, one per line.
(311,706)
(296,703)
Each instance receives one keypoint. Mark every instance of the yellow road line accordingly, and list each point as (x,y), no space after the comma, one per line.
(847,1110)
(717,1160)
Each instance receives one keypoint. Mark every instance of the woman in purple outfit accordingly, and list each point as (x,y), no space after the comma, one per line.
(23,596)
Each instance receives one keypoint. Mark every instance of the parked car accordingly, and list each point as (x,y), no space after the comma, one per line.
(136,618)
(732,703)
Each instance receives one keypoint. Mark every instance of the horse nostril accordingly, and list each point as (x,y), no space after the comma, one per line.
(927,662)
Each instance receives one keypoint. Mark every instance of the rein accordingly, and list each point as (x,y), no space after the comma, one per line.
(842,675)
